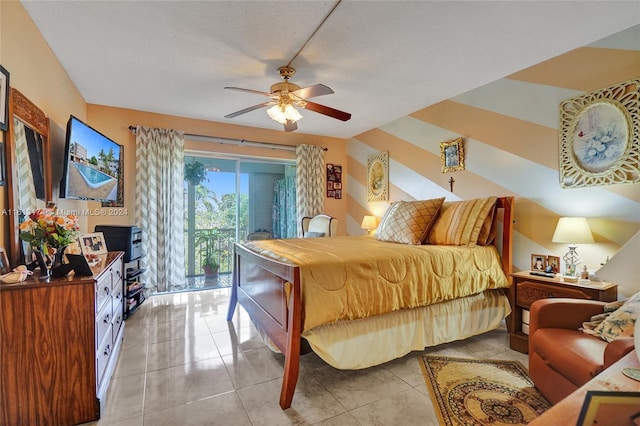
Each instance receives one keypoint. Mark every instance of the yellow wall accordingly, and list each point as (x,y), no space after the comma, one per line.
(510,131)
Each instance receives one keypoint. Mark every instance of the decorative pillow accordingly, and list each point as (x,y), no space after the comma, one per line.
(408,222)
(460,222)
(488,231)
(313,234)
(619,323)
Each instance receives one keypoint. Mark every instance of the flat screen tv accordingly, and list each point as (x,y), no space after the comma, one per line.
(92,164)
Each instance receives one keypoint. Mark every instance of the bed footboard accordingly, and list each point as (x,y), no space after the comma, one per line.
(270,293)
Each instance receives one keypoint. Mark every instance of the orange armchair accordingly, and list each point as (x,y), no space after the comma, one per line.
(561,357)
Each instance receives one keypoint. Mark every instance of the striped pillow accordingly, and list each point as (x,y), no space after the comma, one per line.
(408,222)
(460,222)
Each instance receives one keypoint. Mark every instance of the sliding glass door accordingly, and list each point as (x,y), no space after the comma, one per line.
(229,200)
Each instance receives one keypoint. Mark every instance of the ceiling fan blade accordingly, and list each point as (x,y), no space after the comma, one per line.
(311,91)
(290,126)
(331,112)
(257,92)
(251,108)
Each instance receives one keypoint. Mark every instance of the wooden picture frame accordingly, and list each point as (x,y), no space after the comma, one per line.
(538,262)
(452,155)
(553,264)
(92,244)
(377,177)
(5,266)
(610,408)
(600,137)
(4,99)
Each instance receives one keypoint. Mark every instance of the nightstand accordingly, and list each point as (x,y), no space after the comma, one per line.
(528,288)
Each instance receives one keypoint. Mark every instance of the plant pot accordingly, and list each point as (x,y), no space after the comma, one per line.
(209,271)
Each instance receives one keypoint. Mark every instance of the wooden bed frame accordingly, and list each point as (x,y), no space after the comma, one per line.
(259,286)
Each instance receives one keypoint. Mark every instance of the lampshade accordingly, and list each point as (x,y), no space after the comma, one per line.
(284,112)
(369,223)
(572,230)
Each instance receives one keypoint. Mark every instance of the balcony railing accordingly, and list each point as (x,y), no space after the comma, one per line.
(221,246)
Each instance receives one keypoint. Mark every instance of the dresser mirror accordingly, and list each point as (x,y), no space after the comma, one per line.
(28,166)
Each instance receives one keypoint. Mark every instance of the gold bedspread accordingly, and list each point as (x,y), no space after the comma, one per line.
(346,278)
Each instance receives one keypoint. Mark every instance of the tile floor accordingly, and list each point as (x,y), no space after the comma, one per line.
(182,363)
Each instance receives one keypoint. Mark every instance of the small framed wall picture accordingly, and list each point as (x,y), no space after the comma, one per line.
(377,177)
(452,155)
(538,262)
(334,180)
(92,244)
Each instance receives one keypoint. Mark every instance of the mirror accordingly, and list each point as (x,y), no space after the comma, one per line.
(28,166)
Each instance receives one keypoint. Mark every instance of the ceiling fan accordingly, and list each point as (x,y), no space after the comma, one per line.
(285,96)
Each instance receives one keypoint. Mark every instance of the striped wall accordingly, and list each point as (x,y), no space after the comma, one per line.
(510,131)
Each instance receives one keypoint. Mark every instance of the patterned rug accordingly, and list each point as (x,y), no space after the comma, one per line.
(481,392)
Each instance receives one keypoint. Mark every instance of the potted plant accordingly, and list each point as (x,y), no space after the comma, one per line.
(206,240)
(194,172)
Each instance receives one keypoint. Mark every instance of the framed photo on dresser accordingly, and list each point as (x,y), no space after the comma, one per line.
(92,244)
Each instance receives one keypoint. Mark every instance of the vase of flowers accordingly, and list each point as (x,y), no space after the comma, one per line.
(49,232)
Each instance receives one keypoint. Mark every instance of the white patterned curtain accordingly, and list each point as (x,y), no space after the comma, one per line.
(310,184)
(27,196)
(159,206)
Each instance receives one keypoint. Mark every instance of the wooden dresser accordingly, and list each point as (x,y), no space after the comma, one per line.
(59,344)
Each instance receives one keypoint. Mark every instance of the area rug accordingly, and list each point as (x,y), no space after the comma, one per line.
(481,392)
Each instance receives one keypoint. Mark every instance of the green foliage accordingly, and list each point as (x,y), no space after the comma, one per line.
(206,240)
(194,172)
(106,160)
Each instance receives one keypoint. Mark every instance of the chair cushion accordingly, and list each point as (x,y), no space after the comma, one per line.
(313,234)
(577,356)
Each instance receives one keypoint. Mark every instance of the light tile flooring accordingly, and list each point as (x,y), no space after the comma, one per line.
(182,363)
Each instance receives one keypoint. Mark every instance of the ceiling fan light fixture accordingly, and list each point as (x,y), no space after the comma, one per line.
(283,113)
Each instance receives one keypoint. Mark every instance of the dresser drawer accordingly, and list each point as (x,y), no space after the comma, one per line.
(118,315)
(103,291)
(102,358)
(116,275)
(529,291)
(103,323)
(117,295)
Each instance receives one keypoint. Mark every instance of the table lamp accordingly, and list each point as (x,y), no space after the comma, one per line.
(369,223)
(572,231)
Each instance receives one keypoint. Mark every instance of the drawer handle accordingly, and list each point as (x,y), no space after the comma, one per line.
(106,319)
(107,290)
(107,350)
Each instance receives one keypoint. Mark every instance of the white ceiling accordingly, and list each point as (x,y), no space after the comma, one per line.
(383,59)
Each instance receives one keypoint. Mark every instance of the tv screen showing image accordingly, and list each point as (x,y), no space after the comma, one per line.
(92,165)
